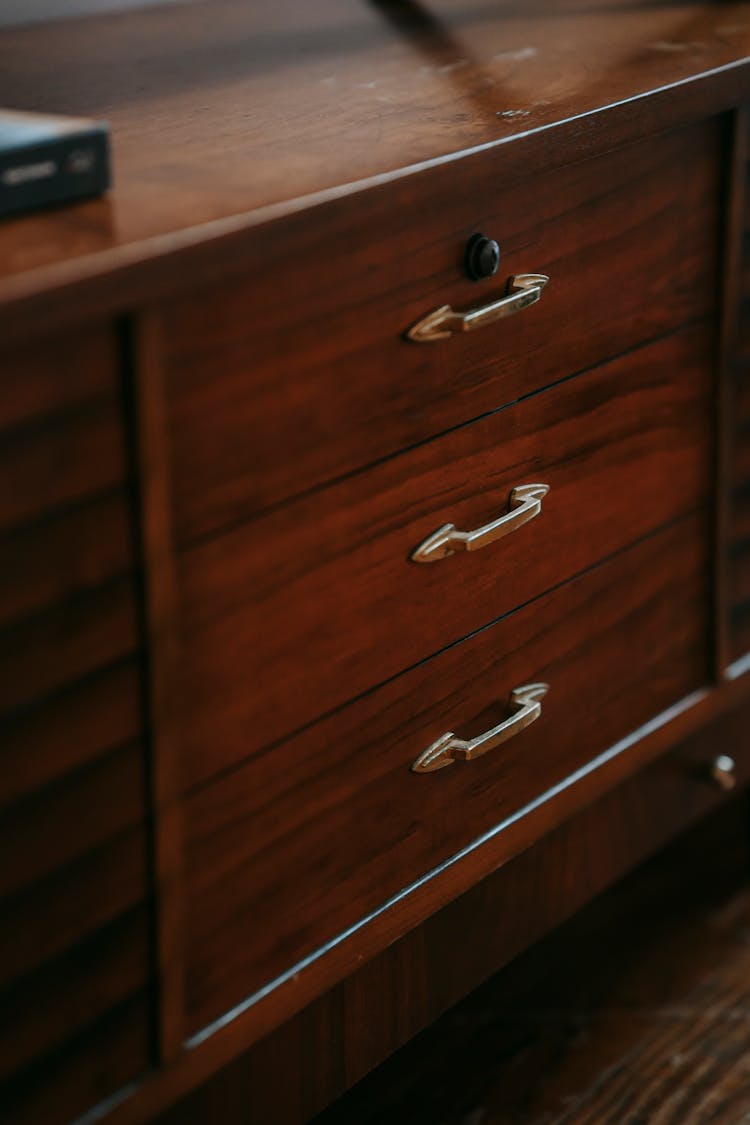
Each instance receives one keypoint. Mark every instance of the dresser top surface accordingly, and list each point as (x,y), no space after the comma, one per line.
(227,113)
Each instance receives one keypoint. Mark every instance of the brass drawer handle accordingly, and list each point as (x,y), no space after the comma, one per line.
(524,289)
(448,749)
(524,504)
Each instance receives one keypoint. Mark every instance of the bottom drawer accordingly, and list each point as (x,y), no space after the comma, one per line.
(302,841)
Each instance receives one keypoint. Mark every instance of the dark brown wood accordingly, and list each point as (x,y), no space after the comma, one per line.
(48,561)
(43,654)
(206,1056)
(72,728)
(60,461)
(68,819)
(75,956)
(608,1019)
(737,377)
(45,376)
(270,236)
(272,396)
(290,616)
(75,990)
(65,1084)
(363,101)
(165,777)
(318,832)
(44,919)
(406,987)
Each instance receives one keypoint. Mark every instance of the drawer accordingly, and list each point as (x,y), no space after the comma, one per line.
(292,615)
(278,386)
(309,837)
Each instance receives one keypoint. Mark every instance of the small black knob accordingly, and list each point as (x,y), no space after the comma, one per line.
(482,257)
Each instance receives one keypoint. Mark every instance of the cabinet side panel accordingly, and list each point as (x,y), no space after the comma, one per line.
(75,903)
(738,389)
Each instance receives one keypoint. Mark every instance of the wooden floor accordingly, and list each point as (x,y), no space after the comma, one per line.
(635,1013)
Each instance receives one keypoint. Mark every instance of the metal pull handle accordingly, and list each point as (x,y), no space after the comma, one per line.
(524,289)
(524,504)
(448,749)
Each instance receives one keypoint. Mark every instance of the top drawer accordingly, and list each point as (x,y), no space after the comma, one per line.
(302,372)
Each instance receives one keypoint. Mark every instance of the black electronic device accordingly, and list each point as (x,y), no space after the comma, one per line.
(49,158)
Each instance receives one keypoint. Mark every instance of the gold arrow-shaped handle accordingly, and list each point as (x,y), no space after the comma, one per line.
(524,504)
(448,749)
(524,289)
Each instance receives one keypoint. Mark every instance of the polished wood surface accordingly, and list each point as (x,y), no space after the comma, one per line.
(739,408)
(215,440)
(275,388)
(75,953)
(606,1020)
(387,1001)
(283,838)
(290,616)
(225,114)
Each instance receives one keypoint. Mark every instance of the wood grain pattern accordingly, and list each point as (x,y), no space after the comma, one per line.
(283,839)
(69,729)
(60,460)
(43,654)
(221,213)
(153,453)
(300,604)
(74,990)
(233,121)
(737,559)
(636,1009)
(75,956)
(46,562)
(69,819)
(270,396)
(80,1074)
(55,373)
(42,920)
(404,988)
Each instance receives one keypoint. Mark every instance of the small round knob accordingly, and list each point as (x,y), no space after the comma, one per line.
(482,257)
(724,772)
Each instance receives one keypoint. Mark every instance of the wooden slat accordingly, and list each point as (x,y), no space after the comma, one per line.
(56,1089)
(61,460)
(63,644)
(62,733)
(72,817)
(41,378)
(75,892)
(49,561)
(40,1012)
(41,921)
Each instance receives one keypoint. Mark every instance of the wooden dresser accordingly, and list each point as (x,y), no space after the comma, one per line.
(308,492)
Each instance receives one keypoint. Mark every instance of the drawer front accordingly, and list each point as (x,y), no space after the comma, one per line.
(278,386)
(302,842)
(298,612)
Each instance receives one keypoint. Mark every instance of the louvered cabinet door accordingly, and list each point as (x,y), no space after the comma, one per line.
(74,900)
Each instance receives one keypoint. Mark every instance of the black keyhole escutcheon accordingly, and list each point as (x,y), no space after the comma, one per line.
(482,257)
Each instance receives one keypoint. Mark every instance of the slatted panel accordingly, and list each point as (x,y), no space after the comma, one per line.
(75,957)
(739,521)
